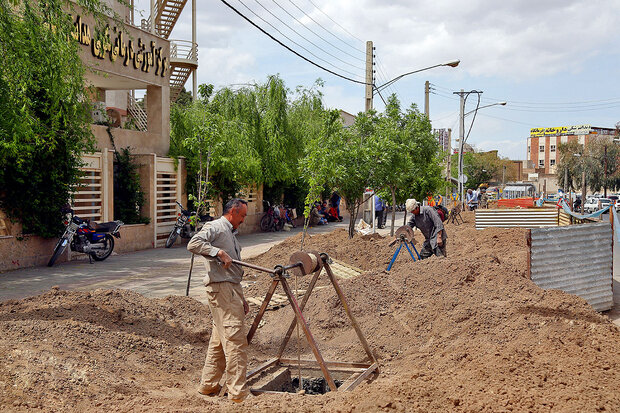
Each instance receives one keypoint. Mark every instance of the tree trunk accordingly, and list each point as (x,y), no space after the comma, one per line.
(353,208)
(393,211)
(405,217)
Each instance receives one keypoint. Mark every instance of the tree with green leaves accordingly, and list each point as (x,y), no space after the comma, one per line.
(407,159)
(340,158)
(393,152)
(44,121)
(273,124)
(219,152)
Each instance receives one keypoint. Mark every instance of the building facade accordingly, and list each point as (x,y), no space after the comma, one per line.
(123,61)
(542,144)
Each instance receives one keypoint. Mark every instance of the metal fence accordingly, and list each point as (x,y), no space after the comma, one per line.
(576,259)
(523,218)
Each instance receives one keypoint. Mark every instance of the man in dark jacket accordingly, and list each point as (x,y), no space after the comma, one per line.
(426,219)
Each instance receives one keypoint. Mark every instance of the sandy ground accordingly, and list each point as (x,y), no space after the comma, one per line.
(465,333)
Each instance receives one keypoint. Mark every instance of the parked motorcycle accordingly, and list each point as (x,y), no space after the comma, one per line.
(271,220)
(97,242)
(186,225)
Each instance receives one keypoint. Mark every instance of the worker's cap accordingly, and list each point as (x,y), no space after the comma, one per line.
(411,204)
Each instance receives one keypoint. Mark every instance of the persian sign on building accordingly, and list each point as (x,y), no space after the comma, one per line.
(561,130)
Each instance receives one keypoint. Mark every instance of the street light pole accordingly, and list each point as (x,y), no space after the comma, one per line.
(461,139)
(464,95)
(378,89)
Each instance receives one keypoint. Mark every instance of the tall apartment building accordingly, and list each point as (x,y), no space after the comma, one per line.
(542,143)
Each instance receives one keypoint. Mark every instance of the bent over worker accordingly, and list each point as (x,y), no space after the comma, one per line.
(427,220)
(228,344)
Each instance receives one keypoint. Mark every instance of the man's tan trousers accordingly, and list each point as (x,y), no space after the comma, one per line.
(228,344)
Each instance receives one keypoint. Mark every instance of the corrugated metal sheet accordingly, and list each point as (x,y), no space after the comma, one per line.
(563,219)
(509,218)
(576,259)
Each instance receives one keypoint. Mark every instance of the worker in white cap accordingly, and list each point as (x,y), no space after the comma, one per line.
(427,220)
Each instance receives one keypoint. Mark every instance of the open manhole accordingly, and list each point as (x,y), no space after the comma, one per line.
(285,379)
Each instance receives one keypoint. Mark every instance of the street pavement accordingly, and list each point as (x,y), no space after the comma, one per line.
(156,272)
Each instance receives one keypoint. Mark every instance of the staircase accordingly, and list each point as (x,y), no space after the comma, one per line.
(183,62)
(183,53)
(166,14)
(137,113)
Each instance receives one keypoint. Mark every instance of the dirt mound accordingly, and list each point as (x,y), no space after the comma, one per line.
(465,333)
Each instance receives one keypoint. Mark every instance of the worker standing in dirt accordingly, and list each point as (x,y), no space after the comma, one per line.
(228,344)
(427,220)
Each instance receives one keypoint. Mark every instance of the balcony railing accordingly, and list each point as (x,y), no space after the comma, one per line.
(184,50)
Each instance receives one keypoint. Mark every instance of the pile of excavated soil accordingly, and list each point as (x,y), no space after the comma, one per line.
(465,333)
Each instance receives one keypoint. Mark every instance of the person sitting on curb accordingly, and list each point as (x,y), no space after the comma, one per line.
(427,220)
(316,218)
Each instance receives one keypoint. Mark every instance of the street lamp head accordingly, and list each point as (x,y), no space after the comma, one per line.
(453,63)
(502,103)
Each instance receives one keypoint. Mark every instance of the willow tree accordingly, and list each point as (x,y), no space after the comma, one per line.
(219,152)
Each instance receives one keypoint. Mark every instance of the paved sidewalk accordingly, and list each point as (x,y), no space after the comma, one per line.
(154,272)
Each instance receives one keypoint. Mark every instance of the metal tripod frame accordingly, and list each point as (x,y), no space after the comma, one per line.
(405,242)
(358,371)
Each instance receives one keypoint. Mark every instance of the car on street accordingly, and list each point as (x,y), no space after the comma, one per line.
(604,202)
(591,205)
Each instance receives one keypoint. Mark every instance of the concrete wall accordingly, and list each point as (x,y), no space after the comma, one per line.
(22,251)
(135,237)
(139,142)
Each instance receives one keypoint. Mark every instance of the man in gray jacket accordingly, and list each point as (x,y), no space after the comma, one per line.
(427,220)
(228,344)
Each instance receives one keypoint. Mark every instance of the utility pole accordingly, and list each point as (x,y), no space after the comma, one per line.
(605,184)
(449,164)
(194,74)
(427,90)
(461,138)
(583,185)
(566,188)
(369,74)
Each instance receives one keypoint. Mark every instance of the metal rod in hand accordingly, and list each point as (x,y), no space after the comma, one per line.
(189,277)
(256,267)
(267,270)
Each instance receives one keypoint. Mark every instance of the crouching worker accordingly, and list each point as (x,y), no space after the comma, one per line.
(427,220)
(227,352)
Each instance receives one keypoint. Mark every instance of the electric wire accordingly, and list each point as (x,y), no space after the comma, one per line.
(303,37)
(550,106)
(294,31)
(289,48)
(315,33)
(385,77)
(335,22)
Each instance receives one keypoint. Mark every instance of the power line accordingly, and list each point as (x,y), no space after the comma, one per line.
(327,30)
(316,34)
(551,106)
(294,31)
(335,22)
(289,48)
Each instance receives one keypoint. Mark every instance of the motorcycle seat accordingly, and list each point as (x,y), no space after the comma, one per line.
(106,227)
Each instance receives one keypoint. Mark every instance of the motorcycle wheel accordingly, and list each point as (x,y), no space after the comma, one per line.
(265,222)
(172,237)
(58,250)
(280,224)
(102,254)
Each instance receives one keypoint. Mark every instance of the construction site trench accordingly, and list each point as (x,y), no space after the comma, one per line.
(469,332)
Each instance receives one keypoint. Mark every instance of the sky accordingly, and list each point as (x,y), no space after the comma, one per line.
(555,62)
